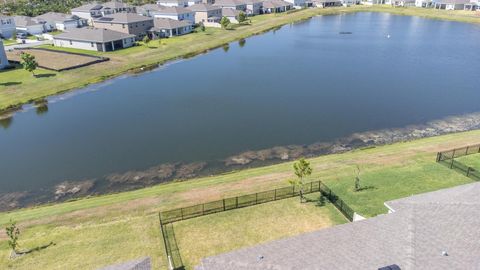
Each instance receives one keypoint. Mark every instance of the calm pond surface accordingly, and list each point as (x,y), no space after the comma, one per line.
(301,84)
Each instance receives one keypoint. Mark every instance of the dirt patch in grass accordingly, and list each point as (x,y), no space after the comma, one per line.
(55,60)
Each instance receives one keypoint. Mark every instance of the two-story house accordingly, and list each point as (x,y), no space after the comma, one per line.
(61,21)
(129,23)
(207,14)
(7,26)
(176,13)
(232,4)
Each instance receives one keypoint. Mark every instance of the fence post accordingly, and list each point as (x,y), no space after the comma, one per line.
(256,198)
(468,171)
(451,164)
(224,205)
(311,186)
(203,209)
(439,156)
(181,211)
(453,153)
(293,191)
(275,195)
(236,202)
(466,150)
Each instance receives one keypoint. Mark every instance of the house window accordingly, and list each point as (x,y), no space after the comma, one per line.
(91,44)
(71,42)
(123,25)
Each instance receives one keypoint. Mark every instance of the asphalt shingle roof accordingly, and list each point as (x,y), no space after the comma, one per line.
(123,18)
(203,7)
(140,264)
(165,23)
(24,21)
(429,231)
(93,35)
(57,17)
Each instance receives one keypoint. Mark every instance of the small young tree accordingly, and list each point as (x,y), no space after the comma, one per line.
(357,179)
(301,169)
(202,27)
(13,232)
(146,40)
(242,17)
(29,62)
(224,22)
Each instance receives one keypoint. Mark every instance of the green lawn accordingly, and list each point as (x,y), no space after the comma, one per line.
(471,161)
(29,88)
(218,233)
(101,230)
(7,42)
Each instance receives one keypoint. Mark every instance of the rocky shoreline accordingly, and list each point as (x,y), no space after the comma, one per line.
(161,173)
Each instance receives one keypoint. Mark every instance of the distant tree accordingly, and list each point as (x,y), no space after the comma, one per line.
(146,40)
(242,17)
(29,62)
(13,232)
(224,22)
(301,169)
(202,27)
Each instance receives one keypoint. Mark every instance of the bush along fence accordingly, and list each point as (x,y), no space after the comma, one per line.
(447,158)
(167,218)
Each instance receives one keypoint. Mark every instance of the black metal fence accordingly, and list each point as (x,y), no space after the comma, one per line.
(254,199)
(167,218)
(447,158)
(174,260)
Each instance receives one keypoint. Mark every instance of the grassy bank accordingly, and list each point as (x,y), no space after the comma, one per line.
(94,232)
(227,231)
(19,87)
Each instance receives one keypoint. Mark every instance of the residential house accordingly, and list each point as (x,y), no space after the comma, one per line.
(61,21)
(3,57)
(231,14)
(176,13)
(118,7)
(29,25)
(89,11)
(149,10)
(373,2)
(473,5)
(165,27)
(437,230)
(128,23)
(326,3)
(207,14)
(424,3)
(298,3)
(178,3)
(94,39)
(402,3)
(450,4)
(253,7)
(231,4)
(347,3)
(276,6)
(7,26)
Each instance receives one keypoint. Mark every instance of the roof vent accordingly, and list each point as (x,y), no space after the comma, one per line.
(444,253)
(260,257)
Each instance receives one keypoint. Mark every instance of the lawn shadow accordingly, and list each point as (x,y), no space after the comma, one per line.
(10,83)
(366,188)
(47,75)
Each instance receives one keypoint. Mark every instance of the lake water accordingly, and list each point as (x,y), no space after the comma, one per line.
(301,84)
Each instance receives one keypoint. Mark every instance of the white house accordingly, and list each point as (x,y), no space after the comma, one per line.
(231,14)
(176,13)
(29,25)
(276,6)
(297,3)
(423,3)
(60,21)
(178,3)
(326,3)
(88,11)
(450,4)
(231,4)
(402,3)
(3,56)
(7,26)
(164,28)
(94,39)
(253,7)
(149,10)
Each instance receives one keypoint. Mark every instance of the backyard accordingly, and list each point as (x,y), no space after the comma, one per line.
(98,231)
(471,161)
(227,231)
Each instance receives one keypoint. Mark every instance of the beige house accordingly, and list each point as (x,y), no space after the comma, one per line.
(207,14)
(276,6)
(128,23)
(232,4)
(253,7)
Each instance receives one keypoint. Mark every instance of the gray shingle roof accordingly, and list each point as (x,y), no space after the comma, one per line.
(24,21)
(140,264)
(203,7)
(228,3)
(116,4)
(93,35)
(230,12)
(165,23)
(57,17)
(123,18)
(174,10)
(88,7)
(413,237)
(276,4)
